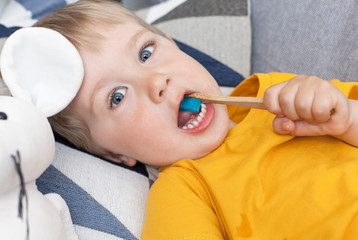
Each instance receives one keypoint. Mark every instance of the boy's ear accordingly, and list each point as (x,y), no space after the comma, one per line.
(118,158)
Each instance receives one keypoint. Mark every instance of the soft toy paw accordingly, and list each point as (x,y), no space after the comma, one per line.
(27,148)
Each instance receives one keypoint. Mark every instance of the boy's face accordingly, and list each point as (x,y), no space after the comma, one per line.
(130,99)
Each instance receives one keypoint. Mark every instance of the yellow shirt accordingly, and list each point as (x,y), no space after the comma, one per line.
(259,184)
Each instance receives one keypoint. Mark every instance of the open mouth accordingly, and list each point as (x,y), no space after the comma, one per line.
(190,120)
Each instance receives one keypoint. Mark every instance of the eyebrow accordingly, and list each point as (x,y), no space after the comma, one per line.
(99,85)
(134,39)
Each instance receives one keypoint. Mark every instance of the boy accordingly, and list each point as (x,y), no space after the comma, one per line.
(258,180)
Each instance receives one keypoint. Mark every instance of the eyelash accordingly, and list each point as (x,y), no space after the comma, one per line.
(147,44)
(110,98)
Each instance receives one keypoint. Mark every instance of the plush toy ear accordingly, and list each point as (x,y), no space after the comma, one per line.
(41,66)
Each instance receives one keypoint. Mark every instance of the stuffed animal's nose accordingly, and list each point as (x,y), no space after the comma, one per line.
(3,116)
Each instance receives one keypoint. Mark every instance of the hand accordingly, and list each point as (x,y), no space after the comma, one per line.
(308,106)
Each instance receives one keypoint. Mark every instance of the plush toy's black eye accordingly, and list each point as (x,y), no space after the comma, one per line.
(3,116)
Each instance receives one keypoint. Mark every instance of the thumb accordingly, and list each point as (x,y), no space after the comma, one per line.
(283,125)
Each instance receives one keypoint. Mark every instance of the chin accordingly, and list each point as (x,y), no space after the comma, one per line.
(217,138)
(221,122)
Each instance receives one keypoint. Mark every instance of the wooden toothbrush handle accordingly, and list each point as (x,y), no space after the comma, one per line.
(249,102)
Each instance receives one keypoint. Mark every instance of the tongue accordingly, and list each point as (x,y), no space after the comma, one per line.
(184,117)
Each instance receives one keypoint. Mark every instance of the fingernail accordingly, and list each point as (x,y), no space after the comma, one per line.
(286,125)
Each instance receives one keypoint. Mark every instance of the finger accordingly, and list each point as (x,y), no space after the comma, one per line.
(335,125)
(271,98)
(339,120)
(304,128)
(322,105)
(339,107)
(287,102)
(283,125)
(303,104)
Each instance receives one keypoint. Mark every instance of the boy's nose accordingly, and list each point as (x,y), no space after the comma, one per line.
(158,85)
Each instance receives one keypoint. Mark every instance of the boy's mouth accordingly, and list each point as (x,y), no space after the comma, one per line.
(190,120)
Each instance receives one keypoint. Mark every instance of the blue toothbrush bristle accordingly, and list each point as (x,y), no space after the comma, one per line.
(190,104)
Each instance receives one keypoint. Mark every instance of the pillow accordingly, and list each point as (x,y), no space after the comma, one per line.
(3,89)
(107,200)
(24,13)
(312,37)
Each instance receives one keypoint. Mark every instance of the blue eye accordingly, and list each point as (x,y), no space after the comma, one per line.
(117,96)
(146,53)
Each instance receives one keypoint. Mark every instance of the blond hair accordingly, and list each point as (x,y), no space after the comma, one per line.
(75,22)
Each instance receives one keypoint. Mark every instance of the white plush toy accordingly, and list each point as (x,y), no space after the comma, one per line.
(43,72)
(27,148)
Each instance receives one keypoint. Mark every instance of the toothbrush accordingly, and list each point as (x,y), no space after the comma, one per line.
(192,101)
(190,104)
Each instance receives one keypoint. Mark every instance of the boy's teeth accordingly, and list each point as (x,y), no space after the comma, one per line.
(203,108)
(199,118)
